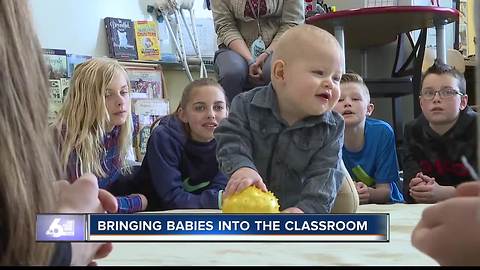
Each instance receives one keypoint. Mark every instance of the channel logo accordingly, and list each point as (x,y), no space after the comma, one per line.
(57,230)
(53,228)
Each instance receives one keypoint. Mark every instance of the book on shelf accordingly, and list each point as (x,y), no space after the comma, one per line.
(55,100)
(58,91)
(53,109)
(148,45)
(145,83)
(120,38)
(56,61)
(144,114)
(64,85)
(148,100)
(73,60)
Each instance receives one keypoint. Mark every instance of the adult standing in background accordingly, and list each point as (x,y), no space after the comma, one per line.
(247,32)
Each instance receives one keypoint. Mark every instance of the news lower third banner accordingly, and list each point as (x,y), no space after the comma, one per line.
(214,227)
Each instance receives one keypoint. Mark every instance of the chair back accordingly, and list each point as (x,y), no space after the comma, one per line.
(454,58)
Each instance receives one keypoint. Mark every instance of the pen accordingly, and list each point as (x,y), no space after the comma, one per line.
(474,176)
(470,169)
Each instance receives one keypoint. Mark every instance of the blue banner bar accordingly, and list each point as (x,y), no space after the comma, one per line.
(185,227)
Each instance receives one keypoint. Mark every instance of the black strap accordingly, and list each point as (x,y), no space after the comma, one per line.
(62,255)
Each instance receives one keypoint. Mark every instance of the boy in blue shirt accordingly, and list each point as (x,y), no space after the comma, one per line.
(369,151)
(285,135)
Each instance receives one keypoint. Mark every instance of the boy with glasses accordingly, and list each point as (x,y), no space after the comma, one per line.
(436,140)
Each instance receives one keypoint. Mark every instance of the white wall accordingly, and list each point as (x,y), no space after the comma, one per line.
(77,26)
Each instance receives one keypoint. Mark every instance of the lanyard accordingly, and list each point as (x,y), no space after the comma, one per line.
(257,16)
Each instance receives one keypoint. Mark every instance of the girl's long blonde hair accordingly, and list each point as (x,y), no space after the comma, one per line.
(83,119)
(28,165)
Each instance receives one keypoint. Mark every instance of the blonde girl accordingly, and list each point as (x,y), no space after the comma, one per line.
(93,127)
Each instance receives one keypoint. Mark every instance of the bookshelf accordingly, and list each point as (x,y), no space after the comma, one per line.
(149,100)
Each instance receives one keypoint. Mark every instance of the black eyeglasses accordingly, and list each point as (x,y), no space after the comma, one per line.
(447,92)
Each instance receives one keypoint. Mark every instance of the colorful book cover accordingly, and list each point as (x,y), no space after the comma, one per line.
(64,85)
(145,83)
(56,93)
(73,60)
(145,112)
(53,109)
(148,45)
(55,101)
(56,60)
(121,38)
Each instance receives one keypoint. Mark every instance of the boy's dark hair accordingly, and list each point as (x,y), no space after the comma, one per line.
(440,68)
(352,77)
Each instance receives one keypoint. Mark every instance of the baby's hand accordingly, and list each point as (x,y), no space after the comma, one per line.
(243,178)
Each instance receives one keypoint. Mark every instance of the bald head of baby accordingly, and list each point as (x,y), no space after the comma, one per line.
(299,42)
(307,66)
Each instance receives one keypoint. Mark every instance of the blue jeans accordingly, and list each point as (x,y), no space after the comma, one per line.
(232,71)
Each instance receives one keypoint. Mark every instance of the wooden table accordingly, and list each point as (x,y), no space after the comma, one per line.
(398,251)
